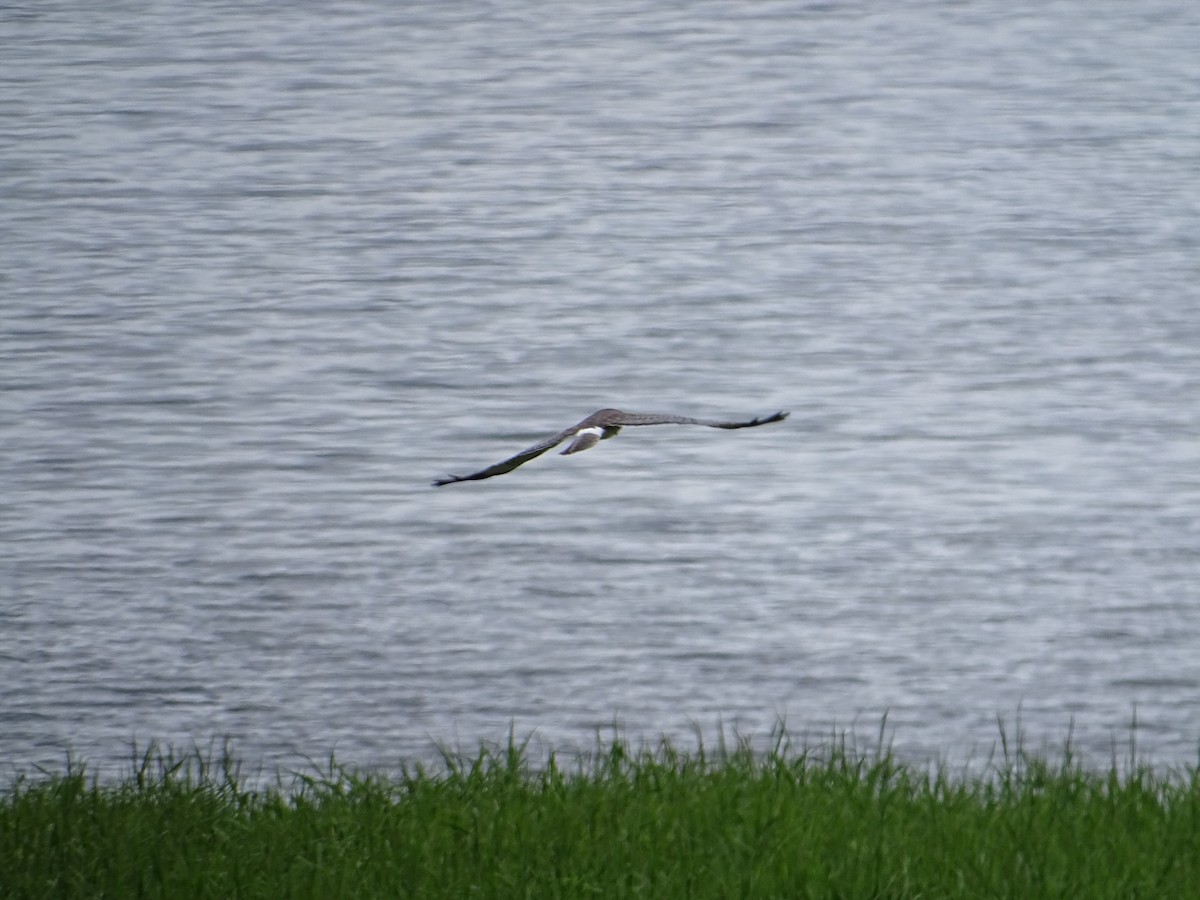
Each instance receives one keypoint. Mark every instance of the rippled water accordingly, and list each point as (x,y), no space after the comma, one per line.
(267,271)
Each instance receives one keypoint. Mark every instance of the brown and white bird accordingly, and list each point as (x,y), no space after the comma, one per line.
(597,427)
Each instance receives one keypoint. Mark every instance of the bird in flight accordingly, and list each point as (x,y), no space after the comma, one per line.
(597,427)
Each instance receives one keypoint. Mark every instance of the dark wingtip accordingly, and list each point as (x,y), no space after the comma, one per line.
(447,480)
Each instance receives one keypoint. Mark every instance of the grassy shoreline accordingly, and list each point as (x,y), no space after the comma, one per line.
(652,821)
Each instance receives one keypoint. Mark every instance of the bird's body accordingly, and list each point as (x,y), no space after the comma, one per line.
(599,426)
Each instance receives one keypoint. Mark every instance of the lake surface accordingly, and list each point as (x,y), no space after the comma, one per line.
(266,271)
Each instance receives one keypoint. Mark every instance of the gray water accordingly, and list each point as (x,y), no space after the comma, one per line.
(267,270)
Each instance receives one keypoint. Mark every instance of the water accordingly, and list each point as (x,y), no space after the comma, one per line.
(268,271)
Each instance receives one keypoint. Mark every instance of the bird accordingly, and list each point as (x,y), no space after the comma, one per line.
(599,426)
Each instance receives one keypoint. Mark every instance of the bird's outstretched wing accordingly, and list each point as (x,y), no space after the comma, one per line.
(624,418)
(513,461)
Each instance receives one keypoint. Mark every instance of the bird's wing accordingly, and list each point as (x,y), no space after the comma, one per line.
(659,419)
(512,462)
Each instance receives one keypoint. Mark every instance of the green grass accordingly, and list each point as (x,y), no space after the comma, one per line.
(650,822)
